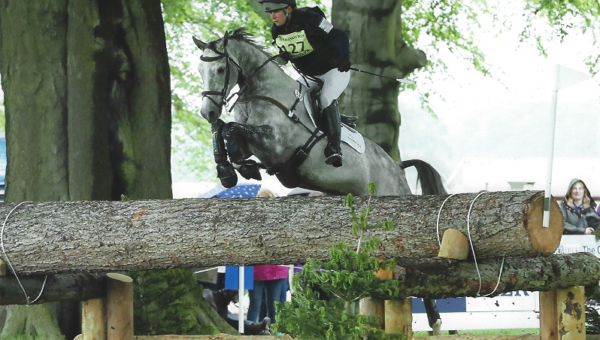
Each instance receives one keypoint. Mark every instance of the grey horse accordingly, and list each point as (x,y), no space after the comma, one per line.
(272,125)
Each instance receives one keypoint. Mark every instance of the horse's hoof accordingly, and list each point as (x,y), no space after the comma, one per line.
(229,182)
(437,327)
(227,175)
(250,170)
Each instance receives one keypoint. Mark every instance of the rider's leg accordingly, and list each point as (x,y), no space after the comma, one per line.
(333,151)
(334,83)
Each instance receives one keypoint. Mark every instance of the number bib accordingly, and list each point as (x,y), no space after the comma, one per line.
(295,44)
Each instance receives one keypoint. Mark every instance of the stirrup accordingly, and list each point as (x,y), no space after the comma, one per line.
(334,159)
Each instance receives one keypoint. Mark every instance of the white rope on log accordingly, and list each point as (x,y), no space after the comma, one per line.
(437,227)
(11,266)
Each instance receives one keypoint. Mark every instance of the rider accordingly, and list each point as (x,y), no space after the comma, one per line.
(320,53)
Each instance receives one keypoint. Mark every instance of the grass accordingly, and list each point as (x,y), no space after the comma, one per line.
(491,332)
(472,332)
(23,337)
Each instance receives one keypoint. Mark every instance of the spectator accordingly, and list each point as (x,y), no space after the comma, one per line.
(579,210)
(269,282)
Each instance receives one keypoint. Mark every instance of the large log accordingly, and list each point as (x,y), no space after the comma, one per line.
(443,278)
(72,287)
(98,236)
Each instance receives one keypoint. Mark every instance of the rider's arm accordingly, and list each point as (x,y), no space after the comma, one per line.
(337,38)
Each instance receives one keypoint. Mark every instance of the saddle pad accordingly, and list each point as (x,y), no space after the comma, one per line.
(351,137)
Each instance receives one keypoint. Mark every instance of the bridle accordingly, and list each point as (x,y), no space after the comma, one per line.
(241,77)
(223,92)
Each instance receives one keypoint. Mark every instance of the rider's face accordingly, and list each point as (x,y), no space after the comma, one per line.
(278,17)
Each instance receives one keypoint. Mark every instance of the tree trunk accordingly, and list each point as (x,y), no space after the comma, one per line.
(443,278)
(87,97)
(153,234)
(71,287)
(376,45)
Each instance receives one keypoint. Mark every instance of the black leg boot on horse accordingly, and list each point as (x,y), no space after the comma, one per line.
(333,125)
(225,170)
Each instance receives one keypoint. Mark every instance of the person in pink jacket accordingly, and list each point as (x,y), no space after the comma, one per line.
(270,282)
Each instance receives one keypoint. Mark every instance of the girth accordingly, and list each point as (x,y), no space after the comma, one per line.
(301,153)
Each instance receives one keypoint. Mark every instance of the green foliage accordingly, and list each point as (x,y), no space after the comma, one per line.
(592,321)
(565,18)
(163,301)
(349,275)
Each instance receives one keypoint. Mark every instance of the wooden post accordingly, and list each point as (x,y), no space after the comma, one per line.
(93,320)
(119,307)
(2,268)
(562,314)
(454,245)
(369,306)
(398,317)
(93,325)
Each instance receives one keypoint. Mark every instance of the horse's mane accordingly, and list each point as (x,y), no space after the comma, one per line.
(239,34)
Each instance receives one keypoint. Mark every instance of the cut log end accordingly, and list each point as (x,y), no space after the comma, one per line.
(120,277)
(546,240)
(454,245)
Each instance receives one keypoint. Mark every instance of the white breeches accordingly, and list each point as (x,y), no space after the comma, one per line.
(334,83)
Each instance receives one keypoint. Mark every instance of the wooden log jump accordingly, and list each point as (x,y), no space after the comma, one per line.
(96,236)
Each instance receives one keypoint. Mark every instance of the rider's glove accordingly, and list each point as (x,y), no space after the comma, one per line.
(344,64)
(285,55)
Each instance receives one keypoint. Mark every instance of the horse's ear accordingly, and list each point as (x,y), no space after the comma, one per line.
(201,45)
(225,39)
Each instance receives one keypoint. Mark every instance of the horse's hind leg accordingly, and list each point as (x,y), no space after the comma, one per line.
(433,316)
(225,170)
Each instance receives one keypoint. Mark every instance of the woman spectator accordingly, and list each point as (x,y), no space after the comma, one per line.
(579,210)
(269,282)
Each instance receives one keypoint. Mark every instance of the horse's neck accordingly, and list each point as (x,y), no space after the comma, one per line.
(270,80)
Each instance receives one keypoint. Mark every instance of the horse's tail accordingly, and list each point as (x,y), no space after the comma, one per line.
(430,179)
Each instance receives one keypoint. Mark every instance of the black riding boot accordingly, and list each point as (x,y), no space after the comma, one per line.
(333,152)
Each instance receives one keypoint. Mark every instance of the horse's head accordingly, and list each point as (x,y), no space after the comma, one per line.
(220,73)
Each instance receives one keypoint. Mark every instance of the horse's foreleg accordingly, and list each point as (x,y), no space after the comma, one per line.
(225,170)
(238,137)
(251,134)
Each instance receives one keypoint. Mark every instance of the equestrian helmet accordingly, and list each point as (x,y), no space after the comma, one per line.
(275,5)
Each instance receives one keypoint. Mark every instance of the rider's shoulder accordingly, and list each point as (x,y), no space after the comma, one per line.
(310,15)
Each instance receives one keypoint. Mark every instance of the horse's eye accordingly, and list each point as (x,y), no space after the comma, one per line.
(221,70)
